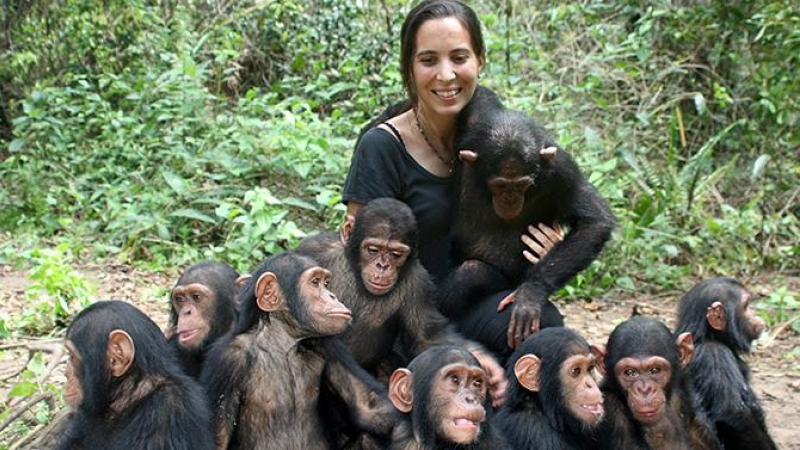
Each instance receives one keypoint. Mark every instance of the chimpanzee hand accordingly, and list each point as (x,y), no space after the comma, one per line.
(542,239)
(524,320)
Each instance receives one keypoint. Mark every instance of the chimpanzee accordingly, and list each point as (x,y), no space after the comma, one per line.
(202,309)
(648,402)
(553,402)
(443,395)
(515,175)
(378,276)
(126,386)
(717,313)
(264,377)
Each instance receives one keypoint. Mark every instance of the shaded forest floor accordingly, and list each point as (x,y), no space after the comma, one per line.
(776,370)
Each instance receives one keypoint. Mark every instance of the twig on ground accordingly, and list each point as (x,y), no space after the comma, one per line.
(24,407)
(778,331)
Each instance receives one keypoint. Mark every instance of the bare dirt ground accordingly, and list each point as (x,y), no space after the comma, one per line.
(775,367)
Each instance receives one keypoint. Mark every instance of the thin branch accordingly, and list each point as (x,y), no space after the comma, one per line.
(24,407)
(27,437)
(18,370)
(47,345)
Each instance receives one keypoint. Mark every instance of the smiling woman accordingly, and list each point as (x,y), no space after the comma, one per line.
(410,156)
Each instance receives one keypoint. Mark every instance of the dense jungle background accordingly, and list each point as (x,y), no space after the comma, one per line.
(137,137)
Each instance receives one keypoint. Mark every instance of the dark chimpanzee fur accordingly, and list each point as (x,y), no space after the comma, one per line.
(406,311)
(648,403)
(264,377)
(445,403)
(399,321)
(514,176)
(149,405)
(202,303)
(716,311)
(553,400)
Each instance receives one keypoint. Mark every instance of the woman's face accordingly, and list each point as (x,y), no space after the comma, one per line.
(445,67)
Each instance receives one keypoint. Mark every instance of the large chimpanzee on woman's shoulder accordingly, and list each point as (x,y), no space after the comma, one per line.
(717,313)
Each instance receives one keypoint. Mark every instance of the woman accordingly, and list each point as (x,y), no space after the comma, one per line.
(411,156)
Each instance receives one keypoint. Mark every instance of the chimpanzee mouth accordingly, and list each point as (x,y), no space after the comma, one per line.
(340,313)
(647,414)
(379,288)
(462,422)
(187,335)
(594,408)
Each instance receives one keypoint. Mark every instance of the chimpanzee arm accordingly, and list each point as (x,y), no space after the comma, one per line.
(472,279)
(591,222)
(365,398)
(223,378)
(423,326)
(725,394)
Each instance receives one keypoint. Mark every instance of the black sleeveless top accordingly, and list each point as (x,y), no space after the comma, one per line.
(381,167)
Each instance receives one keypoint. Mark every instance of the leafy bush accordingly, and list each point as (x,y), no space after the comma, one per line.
(173,131)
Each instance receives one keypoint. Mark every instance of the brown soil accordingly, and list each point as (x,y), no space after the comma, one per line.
(775,361)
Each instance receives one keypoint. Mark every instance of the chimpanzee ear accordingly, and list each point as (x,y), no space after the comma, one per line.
(120,352)
(347,229)
(468,156)
(599,352)
(242,280)
(685,343)
(548,153)
(527,369)
(401,388)
(716,316)
(269,297)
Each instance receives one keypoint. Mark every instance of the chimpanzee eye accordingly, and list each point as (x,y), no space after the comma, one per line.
(454,379)
(478,383)
(575,371)
(195,297)
(655,370)
(315,281)
(631,373)
(397,255)
(327,282)
(372,250)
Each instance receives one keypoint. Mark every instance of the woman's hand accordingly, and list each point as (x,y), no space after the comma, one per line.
(540,239)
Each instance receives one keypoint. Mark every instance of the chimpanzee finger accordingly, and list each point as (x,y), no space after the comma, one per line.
(512,331)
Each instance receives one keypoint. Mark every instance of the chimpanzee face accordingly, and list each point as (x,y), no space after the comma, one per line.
(579,388)
(73,394)
(381,261)
(508,187)
(458,394)
(645,381)
(751,324)
(324,313)
(194,305)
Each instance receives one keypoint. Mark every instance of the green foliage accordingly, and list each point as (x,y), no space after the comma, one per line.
(780,307)
(28,383)
(57,291)
(171,131)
